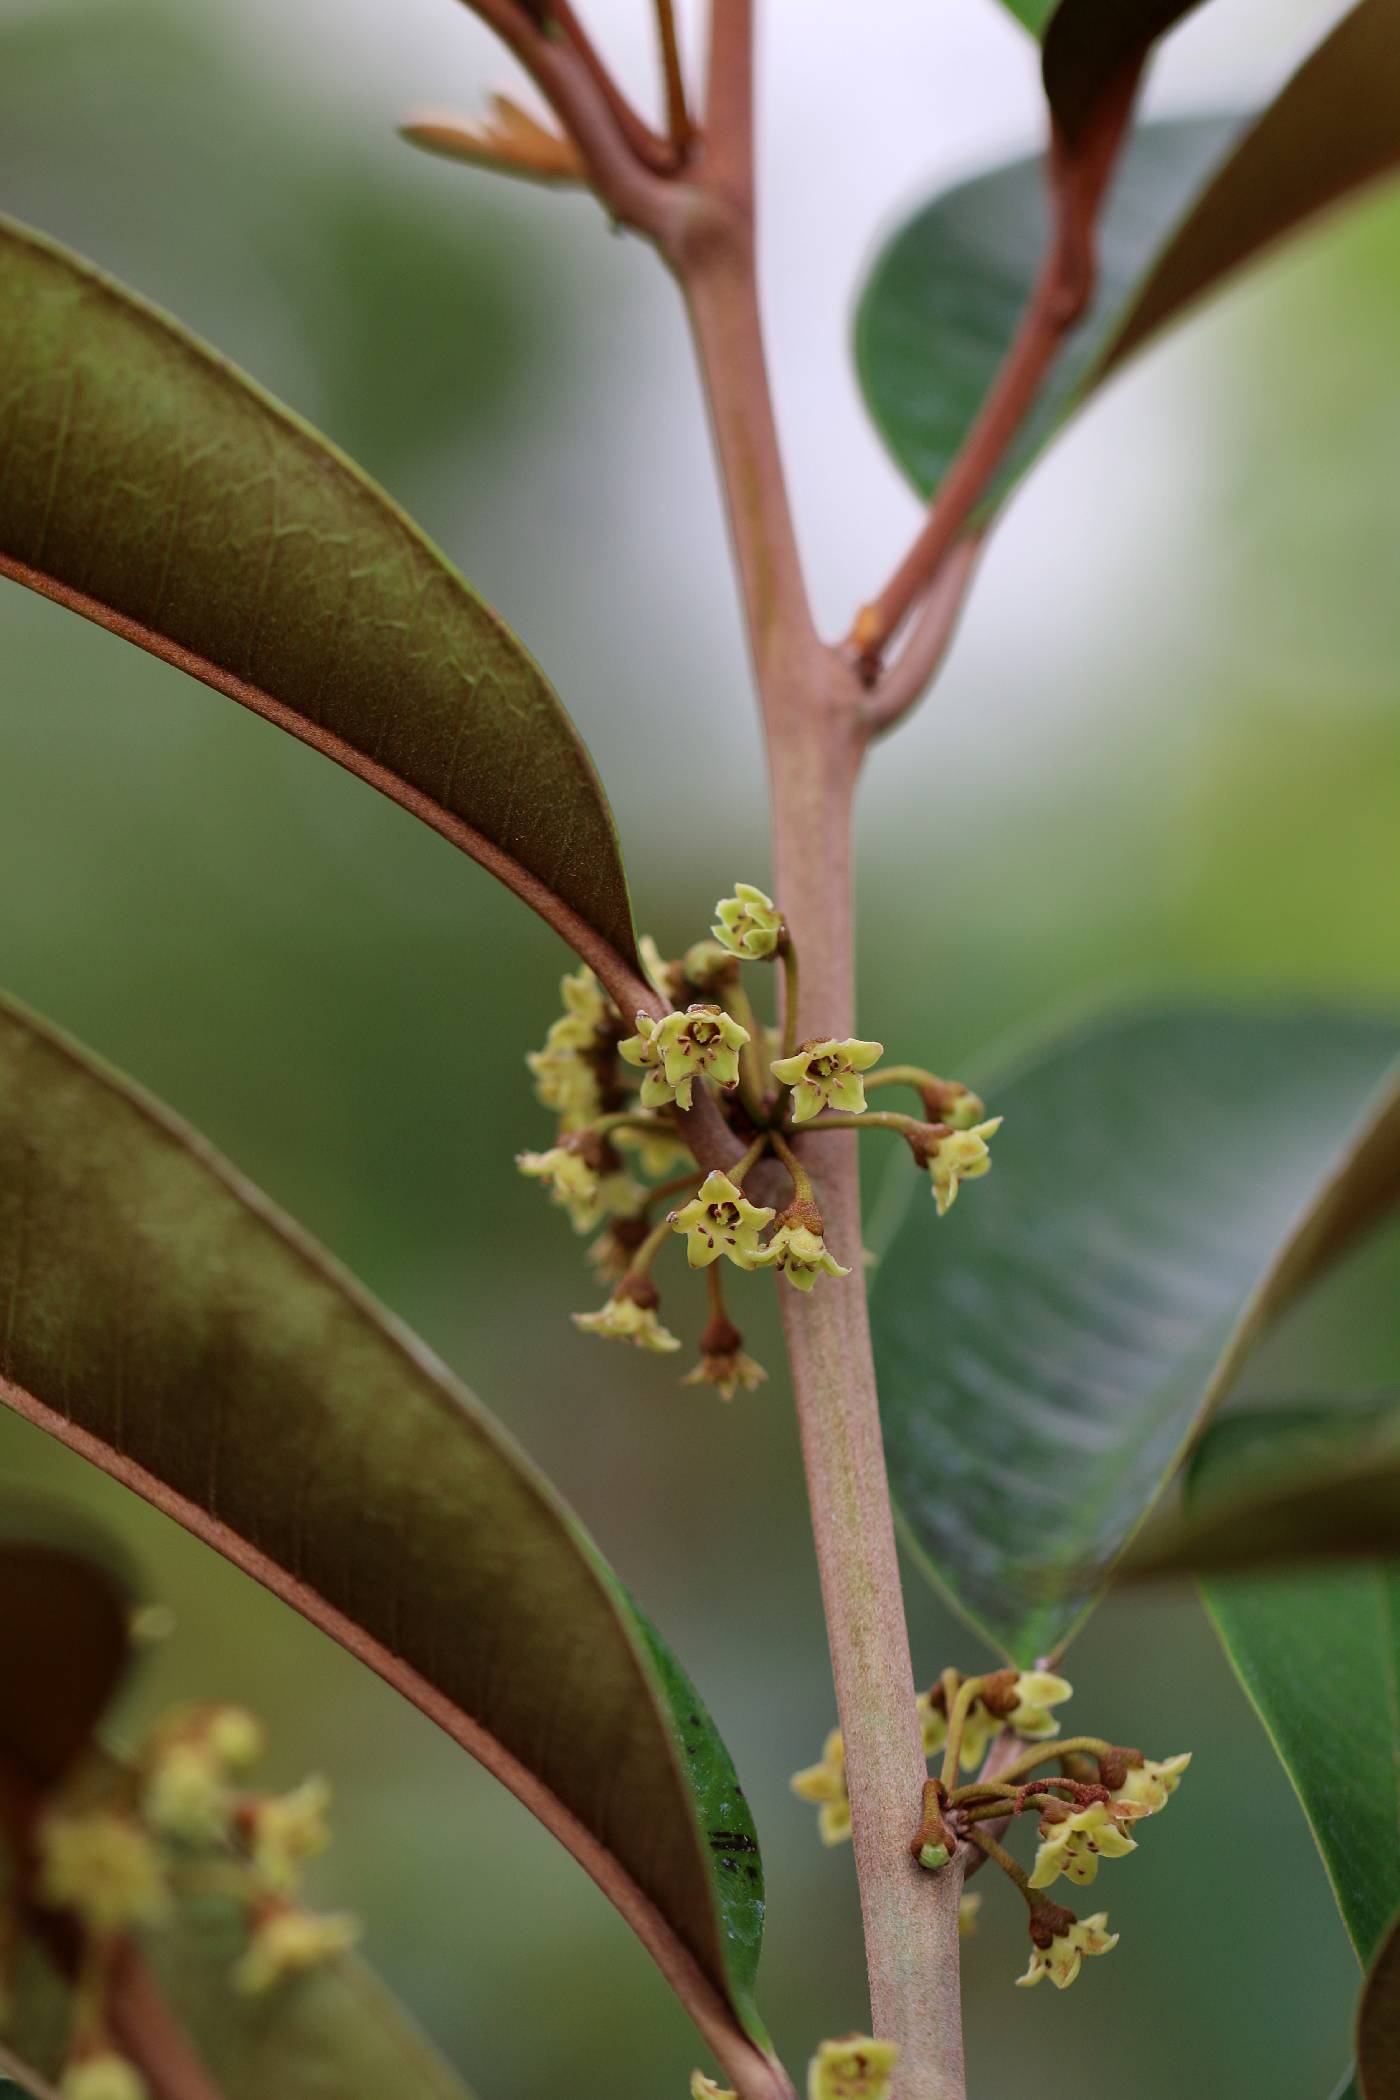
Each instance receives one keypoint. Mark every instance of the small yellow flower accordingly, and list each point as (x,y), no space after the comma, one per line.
(1028,1703)
(852,2068)
(643,1051)
(729,1371)
(1148,1786)
(703,2088)
(625,1320)
(658,970)
(236,1737)
(980,1729)
(287,1943)
(286,1830)
(827,1074)
(960,1107)
(104,1868)
(186,1795)
(825,1784)
(968,1908)
(800,1253)
(719,1219)
(1058,1949)
(659,1150)
(702,1043)
(748,923)
(103,2076)
(1074,1844)
(584,999)
(577,1186)
(960,1156)
(566,1082)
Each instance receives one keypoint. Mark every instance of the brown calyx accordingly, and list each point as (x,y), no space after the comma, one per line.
(1115,1765)
(721,1337)
(998,1693)
(640,1289)
(1048,1921)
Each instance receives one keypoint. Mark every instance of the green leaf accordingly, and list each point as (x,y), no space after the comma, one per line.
(1045,1353)
(1334,1495)
(170,1325)
(1378,2024)
(1184,215)
(148,485)
(944,298)
(1319,1656)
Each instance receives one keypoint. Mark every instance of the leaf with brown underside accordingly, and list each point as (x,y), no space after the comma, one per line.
(1378,2024)
(168,1324)
(1089,44)
(1193,203)
(65,1604)
(148,485)
(1332,132)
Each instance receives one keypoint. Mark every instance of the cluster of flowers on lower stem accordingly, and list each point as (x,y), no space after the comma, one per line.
(851,2067)
(118,1850)
(1004,1722)
(624,1094)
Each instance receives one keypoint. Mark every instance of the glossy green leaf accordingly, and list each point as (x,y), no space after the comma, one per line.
(1046,1352)
(1334,1496)
(170,1325)
(1378,2024)
(1319,1656)
(150,486)
(1193,203)
(944,299)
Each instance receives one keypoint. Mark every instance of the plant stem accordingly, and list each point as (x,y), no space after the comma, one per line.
(813,702)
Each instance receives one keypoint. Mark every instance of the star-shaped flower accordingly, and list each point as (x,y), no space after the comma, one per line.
(748,923)
(577,1186)
(1059,1943)
(566,1080)
(1030,1698)
(721,1220)
(1147,1786)
(960,1156)
(643,1050)
(729,1371)
(702,1043)
(853,2067)
(103,1867)
(625,1319)
(287,1943)
(1073,1844)
(980,1729)
(825,1784)
(827,1074)
(799,1252)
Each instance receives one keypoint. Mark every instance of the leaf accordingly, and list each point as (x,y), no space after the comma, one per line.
(1328,136)
(65,1604)
(1319,1656)
(170,1325)
(152,487)
(1184,215)
(1164,1184)
(943,301)
(1088,43)
(1331,1496)
(1378,2024)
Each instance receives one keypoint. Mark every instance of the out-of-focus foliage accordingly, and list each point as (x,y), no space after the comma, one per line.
(1167,758)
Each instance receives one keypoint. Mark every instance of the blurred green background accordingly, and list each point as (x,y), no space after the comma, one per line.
(1166,757)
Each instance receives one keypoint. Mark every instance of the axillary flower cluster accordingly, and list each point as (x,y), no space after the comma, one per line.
(121,1847)
(1086,1813)
(624,1094)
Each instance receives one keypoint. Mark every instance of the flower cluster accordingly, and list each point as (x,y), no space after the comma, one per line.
(626,1093)
(119,1849)
(1003,1725)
